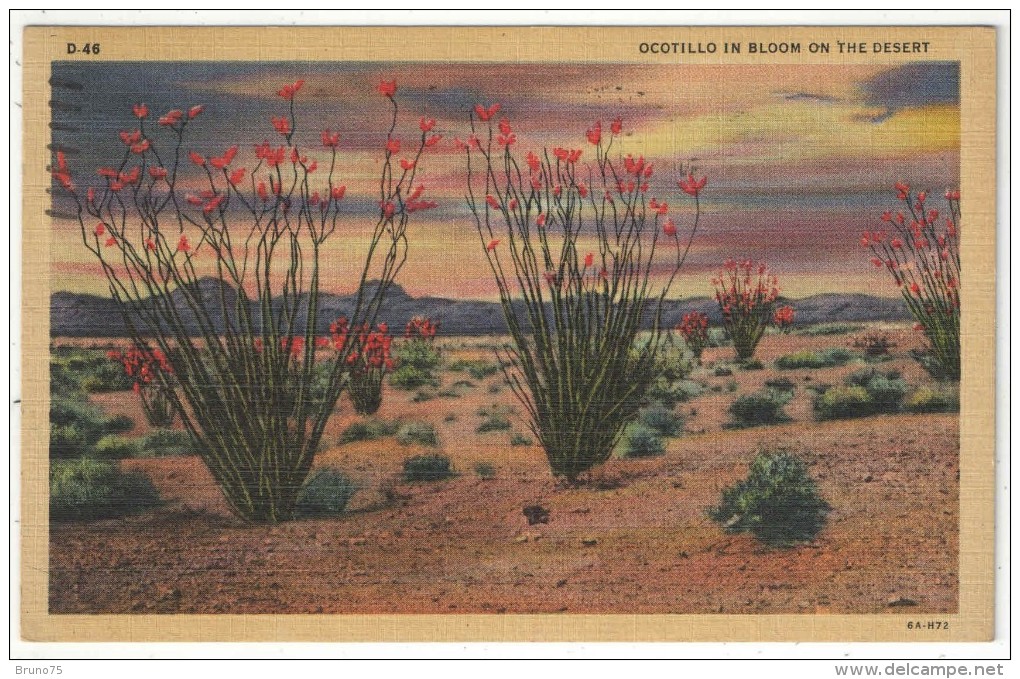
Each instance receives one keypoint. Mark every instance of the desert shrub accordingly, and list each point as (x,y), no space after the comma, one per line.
(661,419)
(752,364)
(432,467)
(722,371)
(418,357)
(478,369)
(325,493)
(115,447)
(778,502)
(167,443)
(886,389)
(643,441)
(519,439)
(423,395)
(448,393)
(875,344)
(781,384)
(844,402)
(86,489)
(760,408)
(493,422)
(732,386)
(421,433)
(368,429)
(408,376)
(88,370)
(76,426)
(485,470)
(677,392)
(826,358)
(826,329)
(925,400)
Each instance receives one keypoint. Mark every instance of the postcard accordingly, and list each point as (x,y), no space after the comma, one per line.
(508,334)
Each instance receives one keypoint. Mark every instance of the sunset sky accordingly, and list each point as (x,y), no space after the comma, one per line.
(799,158)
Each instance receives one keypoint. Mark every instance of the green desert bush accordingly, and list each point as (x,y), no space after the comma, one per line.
(886,389)
(778,502)
(478,369)
(88,370)
(781,384)
(519,439)
(926,400)
(167,443)
(116,447)
(421,433)
(826,358)
(417,361)
(661,419)
(76,426)
(369,429)
(844,402)
(86,489)
(760,408)
(826,329)
(325,493)
(493,422)
(751,364)
(643,441)
(485,470)
(432,467)
(722,371)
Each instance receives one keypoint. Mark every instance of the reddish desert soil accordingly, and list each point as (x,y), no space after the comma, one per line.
(634,539)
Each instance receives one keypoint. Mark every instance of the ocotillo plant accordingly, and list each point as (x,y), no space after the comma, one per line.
(153,378)
(922,252)
(243,350)
(368,369)
(783,318)
(574,249)
(746,294)
(693,328)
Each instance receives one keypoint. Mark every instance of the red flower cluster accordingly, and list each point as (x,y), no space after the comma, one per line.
(421,327)
(783,318)
(144,365)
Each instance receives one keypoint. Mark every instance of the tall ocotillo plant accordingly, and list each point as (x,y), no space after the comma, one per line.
(246,382)
(922,252)
(582,256)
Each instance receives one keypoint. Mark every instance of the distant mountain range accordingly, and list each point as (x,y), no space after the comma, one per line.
(84,315)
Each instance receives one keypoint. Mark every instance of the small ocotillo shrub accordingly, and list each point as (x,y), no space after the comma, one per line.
(746,294)
(778,502)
